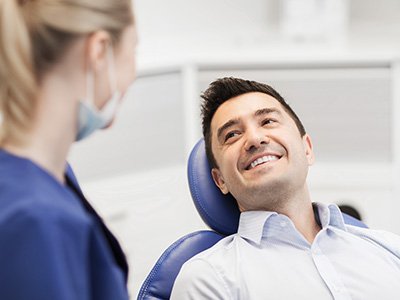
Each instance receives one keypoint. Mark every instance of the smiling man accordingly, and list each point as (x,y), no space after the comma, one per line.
(286,246)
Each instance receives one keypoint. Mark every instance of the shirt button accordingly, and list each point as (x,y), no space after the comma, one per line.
(316,251)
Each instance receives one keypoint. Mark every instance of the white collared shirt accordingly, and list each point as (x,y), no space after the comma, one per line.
(269,259)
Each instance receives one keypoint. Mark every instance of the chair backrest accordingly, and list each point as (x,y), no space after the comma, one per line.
(220,212)
(158,284)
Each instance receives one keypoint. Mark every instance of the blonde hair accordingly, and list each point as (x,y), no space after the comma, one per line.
(34,34)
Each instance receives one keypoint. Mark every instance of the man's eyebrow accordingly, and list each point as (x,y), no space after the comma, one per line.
(267,111)
(233,122)
(224,127)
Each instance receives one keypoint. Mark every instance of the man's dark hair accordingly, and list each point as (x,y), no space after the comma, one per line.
(226,88)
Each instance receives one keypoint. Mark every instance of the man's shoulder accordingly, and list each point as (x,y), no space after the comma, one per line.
(221,249)
(388,240)
(374,233)
(217,255)
(205,274)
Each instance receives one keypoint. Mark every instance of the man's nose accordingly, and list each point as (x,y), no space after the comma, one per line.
(255,138)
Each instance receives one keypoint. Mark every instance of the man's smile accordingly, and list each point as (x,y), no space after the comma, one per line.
(261,159)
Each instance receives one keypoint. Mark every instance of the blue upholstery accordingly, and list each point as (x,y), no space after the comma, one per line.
(220,212)
(217,210)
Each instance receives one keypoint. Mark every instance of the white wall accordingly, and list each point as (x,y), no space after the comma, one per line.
(208,19)
(240,23)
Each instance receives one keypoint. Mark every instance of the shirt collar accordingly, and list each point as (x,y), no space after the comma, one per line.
(330,215)
(251,223)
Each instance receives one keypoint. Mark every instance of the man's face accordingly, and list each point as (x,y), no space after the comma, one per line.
(262,159)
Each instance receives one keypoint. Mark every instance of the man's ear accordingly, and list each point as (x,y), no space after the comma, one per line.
(219,180)
(309,149)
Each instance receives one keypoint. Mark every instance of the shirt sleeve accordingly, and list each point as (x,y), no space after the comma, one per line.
(43,255)
(199,280)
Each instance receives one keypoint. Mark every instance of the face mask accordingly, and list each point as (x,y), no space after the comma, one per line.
(90,118)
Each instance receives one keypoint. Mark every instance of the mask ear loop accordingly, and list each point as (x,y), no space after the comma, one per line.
(90,87)
(109,108)
(111,70)
(111,77)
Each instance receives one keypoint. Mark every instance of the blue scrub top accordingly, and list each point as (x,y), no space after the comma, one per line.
(53,245)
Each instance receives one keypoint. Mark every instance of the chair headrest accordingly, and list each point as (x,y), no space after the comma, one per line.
(220,212)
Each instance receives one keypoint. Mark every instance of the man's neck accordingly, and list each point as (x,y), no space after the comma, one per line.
(304,220)
(294,203)
(298,207)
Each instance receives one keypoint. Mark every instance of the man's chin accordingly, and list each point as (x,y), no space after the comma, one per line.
(265,186)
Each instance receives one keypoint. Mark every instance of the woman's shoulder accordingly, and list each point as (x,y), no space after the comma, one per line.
(35,197)
(24,209)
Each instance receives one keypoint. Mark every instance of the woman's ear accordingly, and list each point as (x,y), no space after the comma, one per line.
(97,48)
(219,180)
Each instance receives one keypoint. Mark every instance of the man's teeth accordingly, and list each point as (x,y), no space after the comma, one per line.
(263,160)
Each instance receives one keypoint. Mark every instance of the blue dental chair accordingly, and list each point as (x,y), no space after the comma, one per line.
(220,212)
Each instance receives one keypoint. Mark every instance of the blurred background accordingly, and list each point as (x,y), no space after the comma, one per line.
(337,62)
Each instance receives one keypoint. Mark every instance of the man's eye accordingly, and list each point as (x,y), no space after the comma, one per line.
(230,135)
(268,121)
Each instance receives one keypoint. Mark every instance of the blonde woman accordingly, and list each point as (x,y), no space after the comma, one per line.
(64,67)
